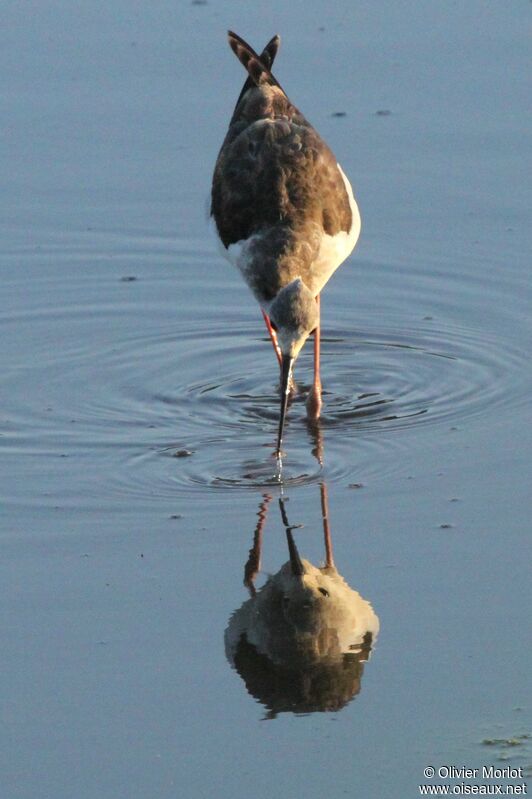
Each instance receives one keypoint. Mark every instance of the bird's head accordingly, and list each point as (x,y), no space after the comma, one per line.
(294,315)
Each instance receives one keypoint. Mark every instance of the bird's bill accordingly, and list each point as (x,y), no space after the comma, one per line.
(295,561)
(286,373)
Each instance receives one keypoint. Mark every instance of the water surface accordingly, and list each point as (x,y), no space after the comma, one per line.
(139,401)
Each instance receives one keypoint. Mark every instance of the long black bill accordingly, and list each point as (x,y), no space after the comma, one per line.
(286,373)
(295,561)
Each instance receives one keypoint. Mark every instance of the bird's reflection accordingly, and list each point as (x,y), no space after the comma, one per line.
(300,642)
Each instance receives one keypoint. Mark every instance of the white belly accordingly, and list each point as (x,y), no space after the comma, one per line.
(335,249)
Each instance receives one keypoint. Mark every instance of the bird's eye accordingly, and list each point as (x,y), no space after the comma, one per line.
(274,326)
(323,591)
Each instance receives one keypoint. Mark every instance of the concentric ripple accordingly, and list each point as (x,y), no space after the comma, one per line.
(173,388)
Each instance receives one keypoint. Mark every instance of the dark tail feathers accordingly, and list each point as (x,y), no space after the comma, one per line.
(270,51)
(258,67)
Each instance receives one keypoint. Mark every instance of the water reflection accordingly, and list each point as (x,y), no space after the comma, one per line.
(300,642)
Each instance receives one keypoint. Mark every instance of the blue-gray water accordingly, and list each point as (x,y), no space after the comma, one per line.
(122,563)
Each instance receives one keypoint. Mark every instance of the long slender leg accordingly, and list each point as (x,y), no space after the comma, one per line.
(314,402)
(252,566)
(273,336)
(316,436)
(329,560)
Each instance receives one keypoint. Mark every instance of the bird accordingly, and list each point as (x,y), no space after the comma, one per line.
(301,641)
(284,213)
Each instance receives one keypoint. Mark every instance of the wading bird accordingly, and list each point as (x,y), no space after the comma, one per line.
(284,212)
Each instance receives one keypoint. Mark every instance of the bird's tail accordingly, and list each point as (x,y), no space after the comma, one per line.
(270,51)
(258,67)
(267,57)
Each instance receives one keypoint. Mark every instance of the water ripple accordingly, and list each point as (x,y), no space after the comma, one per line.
(132,377)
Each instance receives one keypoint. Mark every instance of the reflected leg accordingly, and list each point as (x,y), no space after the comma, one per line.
(252,566)
(329,560)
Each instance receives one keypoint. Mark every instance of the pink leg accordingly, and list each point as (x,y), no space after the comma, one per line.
(273,337)
(314,402)
(252,566)
(329,560)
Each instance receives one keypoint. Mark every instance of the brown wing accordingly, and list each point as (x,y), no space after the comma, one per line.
(274,169)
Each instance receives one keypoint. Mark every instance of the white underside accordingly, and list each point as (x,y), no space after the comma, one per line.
(335,249)
(332,252)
